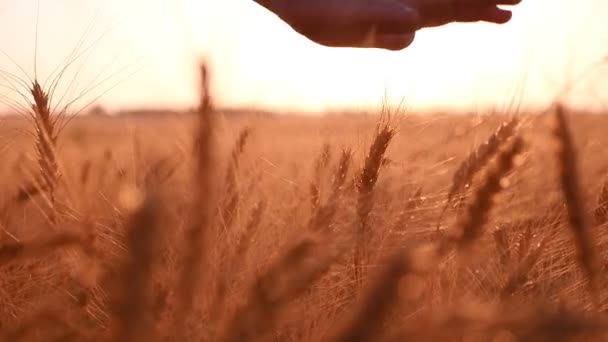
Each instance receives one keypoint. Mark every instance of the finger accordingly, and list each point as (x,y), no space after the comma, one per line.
(389,17)
(464,14)
(490,14)
(478,2)
(393,42)
(444,7)
(495,15)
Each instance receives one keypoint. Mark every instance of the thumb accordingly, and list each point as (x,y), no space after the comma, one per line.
(392,41)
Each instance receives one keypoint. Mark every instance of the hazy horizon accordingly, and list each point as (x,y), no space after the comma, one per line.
(147,55)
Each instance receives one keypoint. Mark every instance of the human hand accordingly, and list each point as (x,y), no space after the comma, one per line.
(386,24)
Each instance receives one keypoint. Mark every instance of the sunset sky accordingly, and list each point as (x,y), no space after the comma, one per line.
(144,53)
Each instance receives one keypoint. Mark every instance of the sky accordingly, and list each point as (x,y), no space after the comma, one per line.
(144,53)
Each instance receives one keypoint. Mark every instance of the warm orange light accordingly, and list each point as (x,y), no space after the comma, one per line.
(258,60)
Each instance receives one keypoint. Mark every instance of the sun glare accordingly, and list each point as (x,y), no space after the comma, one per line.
(268,64)
(259,61)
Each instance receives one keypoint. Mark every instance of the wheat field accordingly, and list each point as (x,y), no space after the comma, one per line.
(381,226)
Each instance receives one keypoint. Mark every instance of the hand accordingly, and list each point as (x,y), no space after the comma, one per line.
(386,24)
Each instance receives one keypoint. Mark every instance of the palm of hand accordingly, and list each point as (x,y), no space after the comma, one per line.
(391,23)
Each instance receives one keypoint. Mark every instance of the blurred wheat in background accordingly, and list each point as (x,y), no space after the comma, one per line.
(216,226)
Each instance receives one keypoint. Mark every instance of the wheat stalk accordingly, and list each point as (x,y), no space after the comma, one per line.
(287,278)
(320,165)
(227,275)
(46,141)
(194,246)
(324,214)
(13,251)
(339,179)
(131,301)
(476,161)
(366,321)
(366,182)
(569,180)
(231,199)
(470,226)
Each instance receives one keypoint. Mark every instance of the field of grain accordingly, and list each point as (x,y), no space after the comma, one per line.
(388,226)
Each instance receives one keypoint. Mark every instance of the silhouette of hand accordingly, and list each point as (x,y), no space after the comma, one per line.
(385,24)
